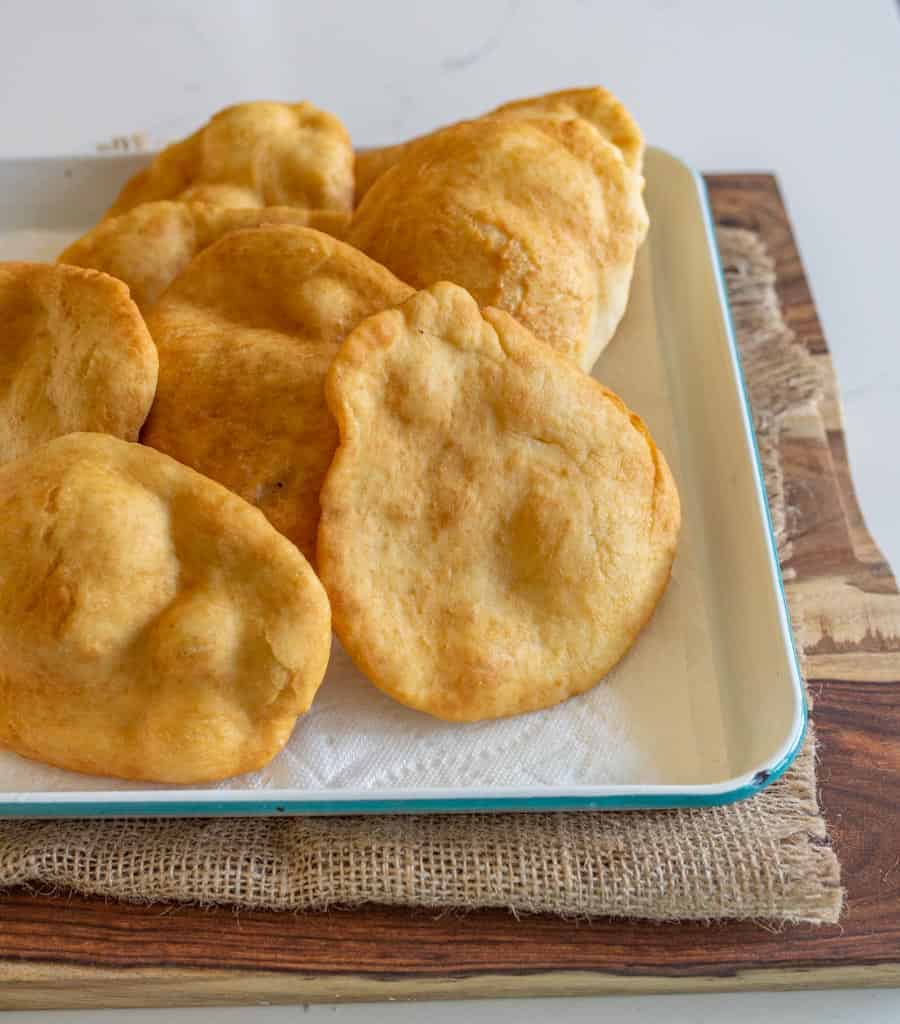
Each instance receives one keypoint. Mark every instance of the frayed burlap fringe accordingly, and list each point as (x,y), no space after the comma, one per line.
(781,376)
(768,858)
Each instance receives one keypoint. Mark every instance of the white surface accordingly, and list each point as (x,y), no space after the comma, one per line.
(713,679)
(841,1007)
(807,88)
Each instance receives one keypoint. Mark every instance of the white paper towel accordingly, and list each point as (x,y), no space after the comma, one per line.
(655,719)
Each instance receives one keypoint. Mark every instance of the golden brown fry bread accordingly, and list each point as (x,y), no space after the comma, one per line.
(496,526)
(149,246)
(595,104)
(538,216)
(152,624)
(253,154)
(75,354)
(246,335)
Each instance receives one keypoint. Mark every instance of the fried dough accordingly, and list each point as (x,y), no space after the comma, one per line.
(153,625)
(150,245)
(75,354)
(539,216)
(497,527)
(597,105)
(245,336)
(253,154)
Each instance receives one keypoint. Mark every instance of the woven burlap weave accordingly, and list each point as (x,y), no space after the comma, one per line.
(767,858)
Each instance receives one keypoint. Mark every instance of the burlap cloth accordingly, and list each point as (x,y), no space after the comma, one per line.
(765,858)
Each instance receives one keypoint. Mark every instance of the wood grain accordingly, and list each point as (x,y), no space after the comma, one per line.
(65,952)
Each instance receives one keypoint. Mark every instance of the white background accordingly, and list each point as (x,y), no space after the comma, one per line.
(807,88)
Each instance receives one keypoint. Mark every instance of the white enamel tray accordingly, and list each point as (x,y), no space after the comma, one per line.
(707,708)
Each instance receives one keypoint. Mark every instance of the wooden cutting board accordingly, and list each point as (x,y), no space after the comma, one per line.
(57,951)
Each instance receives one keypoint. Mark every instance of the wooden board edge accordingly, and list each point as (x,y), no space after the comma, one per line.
(54,986)
(772,224)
